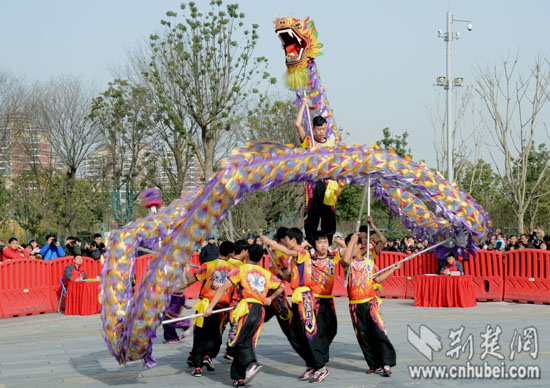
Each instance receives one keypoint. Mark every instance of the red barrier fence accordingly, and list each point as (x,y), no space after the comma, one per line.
(192,292)
(140,267)
(527,277)
(25,288)
(487,271)
(33,286)
(396,285)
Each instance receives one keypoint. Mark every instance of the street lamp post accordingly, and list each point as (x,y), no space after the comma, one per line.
(447,82)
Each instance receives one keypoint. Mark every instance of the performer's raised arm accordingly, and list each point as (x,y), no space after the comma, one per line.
(384,275)
(299,119)
(279,247)
(353,248)
(382,242)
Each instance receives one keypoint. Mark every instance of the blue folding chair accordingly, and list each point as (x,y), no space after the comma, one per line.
(63,294)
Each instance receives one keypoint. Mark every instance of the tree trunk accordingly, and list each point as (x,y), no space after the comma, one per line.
(521,214)
(69,188)
(209,143)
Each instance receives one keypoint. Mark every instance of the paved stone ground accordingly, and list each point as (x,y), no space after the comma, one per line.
(55,350)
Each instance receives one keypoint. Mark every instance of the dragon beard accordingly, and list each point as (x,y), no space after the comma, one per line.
(296,78)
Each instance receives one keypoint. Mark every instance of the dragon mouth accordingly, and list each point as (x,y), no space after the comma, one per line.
(294,45)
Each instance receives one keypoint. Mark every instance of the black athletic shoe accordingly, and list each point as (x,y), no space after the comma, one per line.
(190,360)
(238,383)
(387,371)
(207,362)
(370,371)
(197,372)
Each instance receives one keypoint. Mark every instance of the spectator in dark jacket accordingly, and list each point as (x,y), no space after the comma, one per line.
(99,243)
(210,251)
(51,250)
(92,251)
(524,242)
(72,246)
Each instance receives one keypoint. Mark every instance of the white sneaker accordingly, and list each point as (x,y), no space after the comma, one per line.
(251,372)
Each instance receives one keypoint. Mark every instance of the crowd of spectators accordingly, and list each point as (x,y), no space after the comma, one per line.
(537,239)
(52,249)
(497,242)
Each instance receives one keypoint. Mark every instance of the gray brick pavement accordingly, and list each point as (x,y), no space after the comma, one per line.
(54,350)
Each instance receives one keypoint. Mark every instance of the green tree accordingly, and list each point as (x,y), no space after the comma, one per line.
(398,143)
(537,214)
(484,185)
(5,199)
(281,205)
(27,203)
(202,71)
(123,114)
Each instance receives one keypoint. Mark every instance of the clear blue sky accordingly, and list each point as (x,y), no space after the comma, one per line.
(380,63)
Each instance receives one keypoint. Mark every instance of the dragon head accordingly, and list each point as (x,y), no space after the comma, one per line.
(300,43)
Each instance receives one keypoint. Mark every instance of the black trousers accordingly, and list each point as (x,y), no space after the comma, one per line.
(317,211)
(243,338)
(207,339)
(326,326)
(303,332)
(280,308)
(371,334)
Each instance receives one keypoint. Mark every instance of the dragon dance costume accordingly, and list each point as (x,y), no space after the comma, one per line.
(207,332)
(252,283)
(322,285)
(174,310)
(279,308)
(320,201)
(367,321)
(303,328)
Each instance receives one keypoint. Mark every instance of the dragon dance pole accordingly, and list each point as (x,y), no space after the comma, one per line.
(308,123)
(413,256)
(366,192)
(195,316)
(230,220)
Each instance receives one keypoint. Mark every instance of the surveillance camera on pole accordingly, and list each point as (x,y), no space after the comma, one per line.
(447,83)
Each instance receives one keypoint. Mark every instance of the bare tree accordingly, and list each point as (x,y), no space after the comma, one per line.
(467,138)
(514,105)
(62,107)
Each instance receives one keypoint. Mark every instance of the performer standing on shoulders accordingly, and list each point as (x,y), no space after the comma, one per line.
(303,328)
(364,308)
(321,195)
(253,283)
(207,332)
